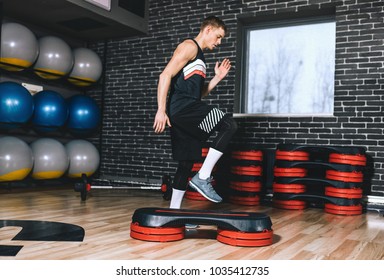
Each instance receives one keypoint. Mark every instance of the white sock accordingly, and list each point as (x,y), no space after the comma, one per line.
(209,163)
(176,199)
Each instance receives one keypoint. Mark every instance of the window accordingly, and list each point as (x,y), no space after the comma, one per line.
(289,68)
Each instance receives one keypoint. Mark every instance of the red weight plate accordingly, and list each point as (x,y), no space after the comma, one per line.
(246,186)
(344,193)
(157,238)
(194,195)
(244,242)
(247,155)
(267,234)
(348,159)
(156,231)
(244,203)
(292,155)
(288,188)
(356,177)
(247,170)
(196,166)
(290,204)
(290,172)
(343,210)
(241,200)
(204,152)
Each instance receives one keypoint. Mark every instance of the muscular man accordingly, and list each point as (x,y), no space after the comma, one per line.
(191,120)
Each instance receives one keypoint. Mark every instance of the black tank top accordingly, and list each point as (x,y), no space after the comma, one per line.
(187,85)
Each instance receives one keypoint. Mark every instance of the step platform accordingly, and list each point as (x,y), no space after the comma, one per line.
(246,229)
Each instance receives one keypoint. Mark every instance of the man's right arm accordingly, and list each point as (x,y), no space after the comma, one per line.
(161,118)
(183,53)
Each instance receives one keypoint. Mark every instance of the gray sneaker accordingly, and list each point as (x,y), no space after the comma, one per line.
(205,188)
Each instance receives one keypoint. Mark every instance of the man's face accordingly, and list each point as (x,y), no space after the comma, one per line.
(214,36)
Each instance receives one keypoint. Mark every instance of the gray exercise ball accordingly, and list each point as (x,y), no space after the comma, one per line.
(55,58)
(87,67)
(83,156)
(16,159)
(50,158)
(19,47)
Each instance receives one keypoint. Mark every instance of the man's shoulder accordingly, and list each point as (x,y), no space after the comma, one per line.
(188,43)
(188,47)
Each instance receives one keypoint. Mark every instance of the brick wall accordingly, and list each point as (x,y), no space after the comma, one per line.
(131,151)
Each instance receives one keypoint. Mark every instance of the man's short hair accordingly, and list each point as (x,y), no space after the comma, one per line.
(215,22)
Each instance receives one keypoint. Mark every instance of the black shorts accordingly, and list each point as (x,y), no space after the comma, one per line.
(191,128)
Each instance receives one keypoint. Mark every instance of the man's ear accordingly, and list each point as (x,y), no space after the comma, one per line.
(208,29)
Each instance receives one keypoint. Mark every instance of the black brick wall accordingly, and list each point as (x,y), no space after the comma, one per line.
(131,150)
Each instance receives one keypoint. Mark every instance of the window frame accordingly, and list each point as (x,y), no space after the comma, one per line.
(244,29)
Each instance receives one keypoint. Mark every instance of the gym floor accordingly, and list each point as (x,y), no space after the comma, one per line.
(105,216)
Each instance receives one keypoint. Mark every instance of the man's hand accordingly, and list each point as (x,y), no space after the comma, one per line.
(161,120)
(222,69)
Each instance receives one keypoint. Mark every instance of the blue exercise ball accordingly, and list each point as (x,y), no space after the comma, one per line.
(16,105)
(51,111)
(84,115)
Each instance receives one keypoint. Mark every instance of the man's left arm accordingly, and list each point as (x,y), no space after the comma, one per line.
(221,71)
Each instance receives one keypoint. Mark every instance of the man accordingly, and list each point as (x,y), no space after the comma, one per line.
(191,120)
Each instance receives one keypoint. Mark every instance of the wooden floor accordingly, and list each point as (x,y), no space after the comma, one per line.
(298,235)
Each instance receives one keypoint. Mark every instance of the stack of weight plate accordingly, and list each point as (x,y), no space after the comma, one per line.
(245,178)
(327,176)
